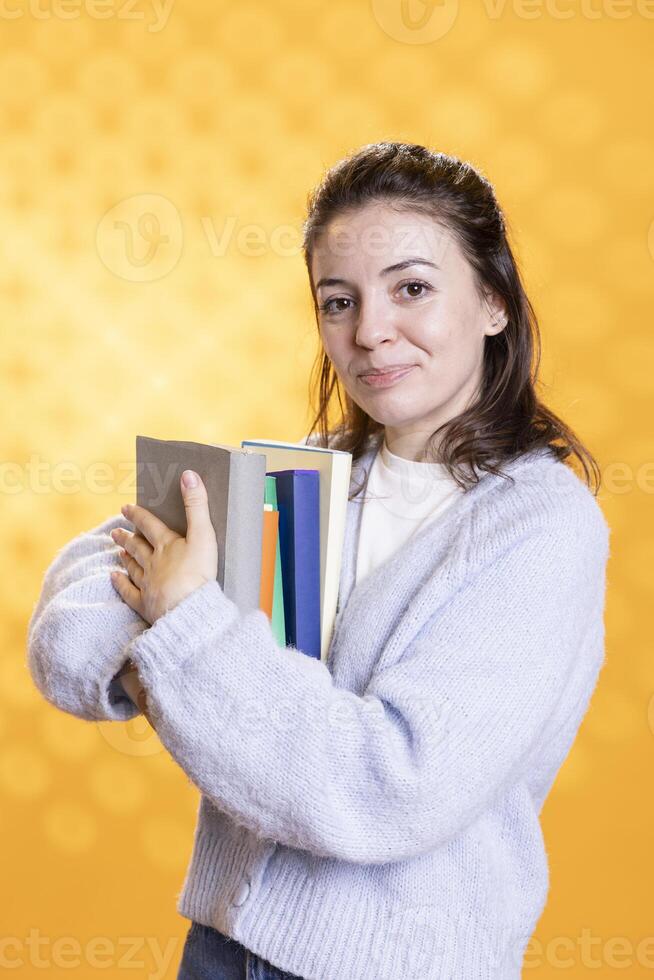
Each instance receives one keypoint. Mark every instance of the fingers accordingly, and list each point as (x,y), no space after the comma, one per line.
(127,591)
(136,573)
(151,528)
(134,543)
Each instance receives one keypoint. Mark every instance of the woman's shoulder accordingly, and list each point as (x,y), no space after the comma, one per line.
(544,493)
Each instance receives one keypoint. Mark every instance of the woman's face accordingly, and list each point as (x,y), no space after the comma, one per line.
(425,316)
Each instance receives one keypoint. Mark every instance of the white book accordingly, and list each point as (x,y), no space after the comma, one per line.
(334,466)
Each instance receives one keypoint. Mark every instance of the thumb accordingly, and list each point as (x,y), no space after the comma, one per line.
(196,503)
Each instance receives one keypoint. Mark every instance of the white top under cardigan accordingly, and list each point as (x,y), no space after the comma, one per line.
(375,816)
(402,496)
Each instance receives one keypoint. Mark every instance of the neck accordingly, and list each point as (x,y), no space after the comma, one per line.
(409,445)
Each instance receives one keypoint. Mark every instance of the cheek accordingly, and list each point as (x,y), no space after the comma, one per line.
(330,354)
(452,356)
(436,339)
(451,338)
(334,347)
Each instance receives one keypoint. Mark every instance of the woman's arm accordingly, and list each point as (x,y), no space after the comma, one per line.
(79,628)
(441,729)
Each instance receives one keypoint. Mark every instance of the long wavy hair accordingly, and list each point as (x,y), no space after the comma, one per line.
(507,419)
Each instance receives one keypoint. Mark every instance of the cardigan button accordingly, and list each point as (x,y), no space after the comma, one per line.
(242,892)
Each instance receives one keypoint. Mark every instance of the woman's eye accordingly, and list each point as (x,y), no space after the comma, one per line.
(420,285)
(328,306)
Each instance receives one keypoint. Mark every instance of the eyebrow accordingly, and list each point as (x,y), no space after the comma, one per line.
(389,268)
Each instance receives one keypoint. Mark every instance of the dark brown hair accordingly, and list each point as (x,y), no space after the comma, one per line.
(508,419)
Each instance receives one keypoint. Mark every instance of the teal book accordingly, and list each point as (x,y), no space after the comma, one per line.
(278,619)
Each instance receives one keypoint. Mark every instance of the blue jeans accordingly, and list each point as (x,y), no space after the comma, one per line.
(210,955)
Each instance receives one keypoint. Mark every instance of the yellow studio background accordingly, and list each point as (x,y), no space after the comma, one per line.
(154,167)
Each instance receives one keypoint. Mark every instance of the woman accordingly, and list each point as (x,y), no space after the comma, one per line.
(378,815)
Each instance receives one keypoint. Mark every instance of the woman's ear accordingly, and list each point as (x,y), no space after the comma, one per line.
(496,312)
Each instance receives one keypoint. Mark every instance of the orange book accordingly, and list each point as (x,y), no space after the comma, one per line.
(268,556)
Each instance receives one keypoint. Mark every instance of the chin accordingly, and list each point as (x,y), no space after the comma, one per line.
(390,409)
(394,419)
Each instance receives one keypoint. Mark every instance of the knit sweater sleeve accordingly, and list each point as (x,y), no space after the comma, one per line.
(443,726)
(80,626)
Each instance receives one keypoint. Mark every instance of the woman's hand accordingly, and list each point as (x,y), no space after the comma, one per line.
(163,567)
(131,684)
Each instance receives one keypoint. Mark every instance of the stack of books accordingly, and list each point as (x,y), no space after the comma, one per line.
(278,510)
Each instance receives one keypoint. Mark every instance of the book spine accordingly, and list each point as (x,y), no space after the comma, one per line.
(244,531)
(307,559)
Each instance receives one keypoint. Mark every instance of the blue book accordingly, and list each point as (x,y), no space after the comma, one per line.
(298,501)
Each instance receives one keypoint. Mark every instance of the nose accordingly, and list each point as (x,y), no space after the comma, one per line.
(374,323)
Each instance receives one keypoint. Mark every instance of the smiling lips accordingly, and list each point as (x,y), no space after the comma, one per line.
(386,377)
